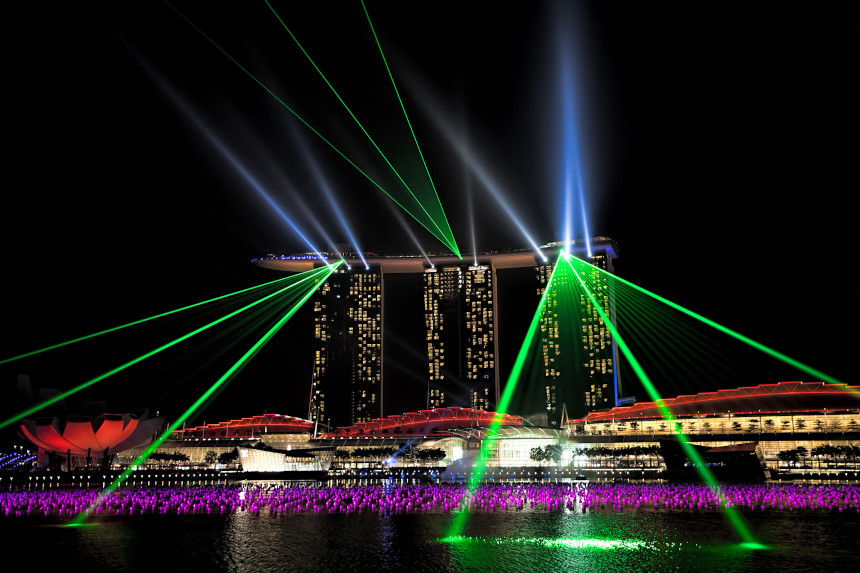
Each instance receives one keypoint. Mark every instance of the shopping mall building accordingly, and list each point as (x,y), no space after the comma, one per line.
(821,421)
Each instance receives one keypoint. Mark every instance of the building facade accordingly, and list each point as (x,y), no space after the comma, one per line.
(461,325)
(576,347)
(346,385)
(459,318)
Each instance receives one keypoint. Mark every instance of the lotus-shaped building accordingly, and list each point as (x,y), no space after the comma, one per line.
(76,440)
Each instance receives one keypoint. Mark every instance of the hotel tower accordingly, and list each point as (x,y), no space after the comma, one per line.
(461,326)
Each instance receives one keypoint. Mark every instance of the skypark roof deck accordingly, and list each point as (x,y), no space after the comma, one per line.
(417,263)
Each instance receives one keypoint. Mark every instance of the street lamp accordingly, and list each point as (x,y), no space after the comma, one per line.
(825,423)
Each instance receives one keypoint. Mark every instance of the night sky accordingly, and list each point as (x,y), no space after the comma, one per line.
(714,146)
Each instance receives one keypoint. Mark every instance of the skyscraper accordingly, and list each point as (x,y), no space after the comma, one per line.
(461,330)
(346,385)
(459,317)
(578,352)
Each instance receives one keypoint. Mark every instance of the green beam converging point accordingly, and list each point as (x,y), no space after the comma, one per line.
(224,379)
(136,322)
(62,395)
(725,330)
(449,233)
(408,123)
(692,454)
(441,237)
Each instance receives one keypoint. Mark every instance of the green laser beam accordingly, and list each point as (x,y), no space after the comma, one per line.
(725,330)
(459,522)
(224,379)
(692,454)
(408,123)
(654,325)
(309,126)
(136,322)
(99,378)
(363,130)
(252,321)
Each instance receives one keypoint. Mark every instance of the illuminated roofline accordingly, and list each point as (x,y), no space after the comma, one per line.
(261,421)
(441,419)
(417,263)
(805,389)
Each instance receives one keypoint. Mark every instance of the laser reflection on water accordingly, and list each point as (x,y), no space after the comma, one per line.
(548,542)
(628,544)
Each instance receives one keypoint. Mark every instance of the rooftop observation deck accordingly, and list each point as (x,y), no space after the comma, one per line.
(418,263)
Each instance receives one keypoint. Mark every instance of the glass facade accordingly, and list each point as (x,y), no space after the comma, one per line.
(347,312)
(459,317)
(583,378)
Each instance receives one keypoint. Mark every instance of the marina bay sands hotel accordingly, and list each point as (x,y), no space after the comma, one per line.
(461,320)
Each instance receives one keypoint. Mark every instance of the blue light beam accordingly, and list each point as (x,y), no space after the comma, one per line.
(322,182)
(225,152)
(441,121)
(573,188)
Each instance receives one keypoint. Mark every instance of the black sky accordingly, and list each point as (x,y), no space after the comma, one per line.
(715,139)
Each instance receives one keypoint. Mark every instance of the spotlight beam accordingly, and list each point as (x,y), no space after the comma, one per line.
(231,158)
(322,182)
(62,395)
(472,161)
(224,379)
(408,123)
(572,162)
(442,238)
(136,322)
(267,198)
(296,196)
(449,234)
(396,214)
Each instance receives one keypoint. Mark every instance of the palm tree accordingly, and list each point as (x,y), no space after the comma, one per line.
(853,453)
(635,452)
(604,453)
(832,453)
(818,452)
(802,452)
(787,456)
(655,451)
(552,452)
(229,457)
